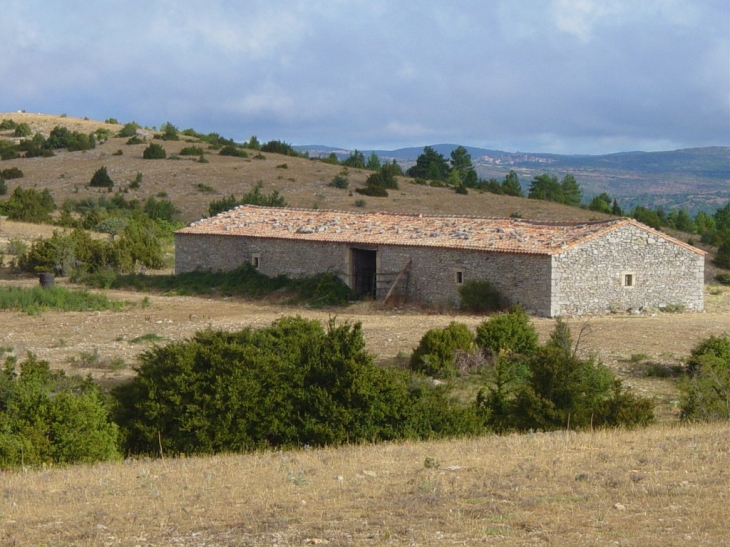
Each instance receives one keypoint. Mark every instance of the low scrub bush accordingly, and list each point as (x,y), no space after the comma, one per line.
(49,418)
(101,179)
(723,278)
(11,173)
(436,351)
(154,152)
(290,384)
(279,147)
(254,197)
(656,370)
(169,132)
(481,296)
(507,333)
(705,391)
(129,130)
(3,187)
(16,247)
(61,137)
(373,191)
(8,150)
(22,130)
(340,181)
(231,150)
(192,151)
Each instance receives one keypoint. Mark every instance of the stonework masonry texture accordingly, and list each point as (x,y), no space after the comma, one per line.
(586,279)
(589,278)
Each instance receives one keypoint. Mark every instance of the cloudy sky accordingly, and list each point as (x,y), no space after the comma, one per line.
(564,76)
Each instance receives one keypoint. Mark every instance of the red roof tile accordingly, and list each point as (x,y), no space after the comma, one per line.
(486,234)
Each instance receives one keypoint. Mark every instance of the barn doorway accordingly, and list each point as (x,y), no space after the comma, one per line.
(364,268)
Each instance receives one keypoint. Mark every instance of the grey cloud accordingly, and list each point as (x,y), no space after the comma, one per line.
(588,76)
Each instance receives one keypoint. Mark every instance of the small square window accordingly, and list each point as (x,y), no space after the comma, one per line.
(628,280)
(256,261)
(459,277)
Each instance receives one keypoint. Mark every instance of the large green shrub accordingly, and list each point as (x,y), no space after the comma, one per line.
(46,417)
(705,392)
(76,253)
(154,152)
(436,351)
(3,187)
(510,333)
(29,205)
(481,296)
(290,384)
(555,389)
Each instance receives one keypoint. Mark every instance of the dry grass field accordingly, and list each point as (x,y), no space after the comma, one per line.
(662,486)
(666,485)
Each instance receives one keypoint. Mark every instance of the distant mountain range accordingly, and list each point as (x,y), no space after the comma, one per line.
(694,178)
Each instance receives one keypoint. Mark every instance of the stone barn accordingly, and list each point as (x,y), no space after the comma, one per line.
(550,269)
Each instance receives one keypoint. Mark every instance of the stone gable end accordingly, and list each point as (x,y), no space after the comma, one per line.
(629,268)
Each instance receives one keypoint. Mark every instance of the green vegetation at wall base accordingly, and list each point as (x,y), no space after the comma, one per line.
(325,289)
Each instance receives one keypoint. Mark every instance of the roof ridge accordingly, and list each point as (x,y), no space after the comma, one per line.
(429,215)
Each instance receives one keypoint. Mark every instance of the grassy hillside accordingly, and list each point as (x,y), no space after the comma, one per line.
(192,185)
(694,178)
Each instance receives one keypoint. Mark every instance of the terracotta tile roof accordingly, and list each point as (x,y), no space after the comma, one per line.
(455,232)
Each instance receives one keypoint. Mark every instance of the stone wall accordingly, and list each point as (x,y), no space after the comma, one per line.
(591,278)
(275,256)
(524,279)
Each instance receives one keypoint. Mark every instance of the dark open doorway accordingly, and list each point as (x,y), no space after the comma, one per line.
(363,263)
